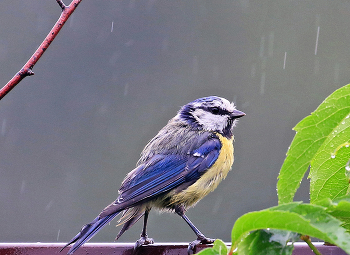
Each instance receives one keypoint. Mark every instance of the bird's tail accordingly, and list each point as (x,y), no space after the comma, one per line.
(88,231)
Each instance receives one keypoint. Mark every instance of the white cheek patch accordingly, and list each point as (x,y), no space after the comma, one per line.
(210,121)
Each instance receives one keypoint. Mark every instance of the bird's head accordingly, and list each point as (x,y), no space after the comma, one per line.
(211,114)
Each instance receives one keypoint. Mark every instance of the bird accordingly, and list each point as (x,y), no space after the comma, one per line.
(184,162)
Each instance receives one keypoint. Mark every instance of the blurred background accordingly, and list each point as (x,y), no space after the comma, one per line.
(119,70)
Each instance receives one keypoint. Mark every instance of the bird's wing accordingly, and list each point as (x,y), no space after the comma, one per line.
(164,172)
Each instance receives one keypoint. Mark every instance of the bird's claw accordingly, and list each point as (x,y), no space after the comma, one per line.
(199,240)
(144,240)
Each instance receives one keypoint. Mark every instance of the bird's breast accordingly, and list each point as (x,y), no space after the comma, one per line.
(210,179)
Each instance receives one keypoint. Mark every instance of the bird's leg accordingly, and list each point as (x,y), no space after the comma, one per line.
(200,237)
(144,240)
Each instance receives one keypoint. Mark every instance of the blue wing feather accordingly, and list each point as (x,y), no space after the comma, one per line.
(168,168)
(161,173)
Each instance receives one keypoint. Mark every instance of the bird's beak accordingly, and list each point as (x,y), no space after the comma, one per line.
(237,114)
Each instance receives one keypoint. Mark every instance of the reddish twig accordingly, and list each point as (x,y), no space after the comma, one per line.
(26,70)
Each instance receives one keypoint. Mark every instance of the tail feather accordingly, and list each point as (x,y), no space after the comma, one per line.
(132,216)
(88,231)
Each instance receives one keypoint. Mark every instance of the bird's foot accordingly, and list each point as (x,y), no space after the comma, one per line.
(144,240)
(199,240)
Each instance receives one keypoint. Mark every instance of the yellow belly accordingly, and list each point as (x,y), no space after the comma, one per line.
(211,179)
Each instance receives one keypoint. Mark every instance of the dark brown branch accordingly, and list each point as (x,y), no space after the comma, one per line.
(28,67)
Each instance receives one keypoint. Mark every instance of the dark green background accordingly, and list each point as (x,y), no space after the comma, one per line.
(70,133)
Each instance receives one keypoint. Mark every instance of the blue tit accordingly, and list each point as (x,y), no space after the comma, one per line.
(185,161)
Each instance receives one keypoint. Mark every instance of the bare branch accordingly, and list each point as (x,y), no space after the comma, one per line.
(26,70)
(61,4)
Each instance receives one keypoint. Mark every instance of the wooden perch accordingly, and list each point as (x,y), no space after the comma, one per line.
(27,69)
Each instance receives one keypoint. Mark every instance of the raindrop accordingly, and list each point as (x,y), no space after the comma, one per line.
(112,26)
(347,116)
(284,61)
(58,234)
(347,145)
(343,122)
(316,45)
(332,155)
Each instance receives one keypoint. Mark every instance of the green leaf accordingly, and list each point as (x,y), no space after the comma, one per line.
(262,242)
(318,136)
(219,248)
(306,219)
(328,173)
(339,208)
(342,212)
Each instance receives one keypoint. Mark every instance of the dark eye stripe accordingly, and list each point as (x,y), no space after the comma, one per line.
(216,110)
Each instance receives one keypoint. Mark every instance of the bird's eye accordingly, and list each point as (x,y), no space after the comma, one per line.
(214,110)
